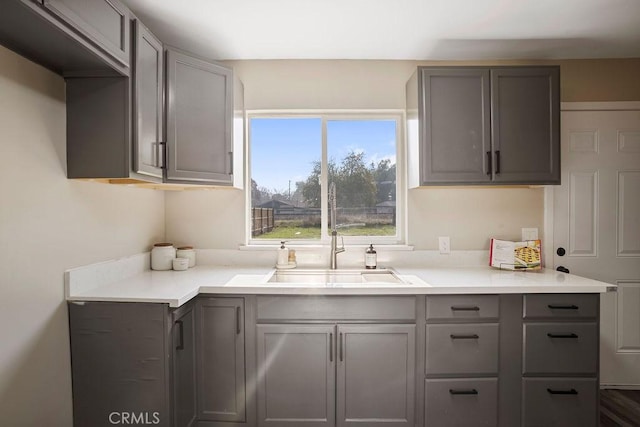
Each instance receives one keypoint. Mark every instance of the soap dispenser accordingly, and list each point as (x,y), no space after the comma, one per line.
(283,256)
(370,258)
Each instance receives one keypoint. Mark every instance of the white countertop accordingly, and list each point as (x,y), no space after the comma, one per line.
(177,287)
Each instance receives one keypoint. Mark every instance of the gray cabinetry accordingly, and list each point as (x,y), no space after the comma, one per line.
(456,105)
(484,125)
(133,358)
(461,402)
(199,120)
(376,379)
(105,22)
(221,359)
(297,368)
(148,102)
(327,361)
(184,366)
(525,124)
(560,360)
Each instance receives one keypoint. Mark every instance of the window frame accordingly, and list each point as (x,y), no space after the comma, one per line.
(396,115)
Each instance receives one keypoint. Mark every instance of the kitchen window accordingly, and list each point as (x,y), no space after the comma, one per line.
(294,157)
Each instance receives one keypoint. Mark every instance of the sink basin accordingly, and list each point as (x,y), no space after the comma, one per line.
(341,277)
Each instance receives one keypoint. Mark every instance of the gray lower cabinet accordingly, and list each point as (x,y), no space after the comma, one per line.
(132,361)
(376,379)
(299,385)
(105,22)
(199,120)
(184,366)
(560,402)
(461,402)
(221,359)
(484,125)
(297,375)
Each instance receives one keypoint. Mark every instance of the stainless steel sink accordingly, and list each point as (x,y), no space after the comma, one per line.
(341,277)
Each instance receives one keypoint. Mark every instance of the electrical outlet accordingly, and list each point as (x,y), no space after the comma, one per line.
(529,234)
(444,245)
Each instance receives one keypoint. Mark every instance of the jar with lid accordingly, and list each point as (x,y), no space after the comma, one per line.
(162,256)
(187,252)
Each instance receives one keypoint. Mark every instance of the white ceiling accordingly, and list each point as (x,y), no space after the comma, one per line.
(396,29)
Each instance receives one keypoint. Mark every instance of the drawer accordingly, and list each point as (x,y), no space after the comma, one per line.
(462,349)
(561,306)
(559,402)
(373,308)
(461,402)
(462,307)
(560,348)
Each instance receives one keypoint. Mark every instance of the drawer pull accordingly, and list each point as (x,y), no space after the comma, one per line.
(572,335)
(464,391)
(465,308)
(563,307)
(571,391)
(464,337)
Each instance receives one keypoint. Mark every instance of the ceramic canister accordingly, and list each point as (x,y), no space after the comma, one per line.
(187,252)
(162,256)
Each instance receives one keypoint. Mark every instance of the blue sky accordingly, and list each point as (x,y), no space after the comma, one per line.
(284,149)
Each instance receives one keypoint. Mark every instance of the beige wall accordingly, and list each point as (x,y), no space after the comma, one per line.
(49,224)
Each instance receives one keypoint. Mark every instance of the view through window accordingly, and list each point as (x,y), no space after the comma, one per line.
(293,161)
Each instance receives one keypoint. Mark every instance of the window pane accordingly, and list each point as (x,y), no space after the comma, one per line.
(362,163)
(285,178)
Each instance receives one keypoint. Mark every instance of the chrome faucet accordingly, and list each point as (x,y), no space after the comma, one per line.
(335,250)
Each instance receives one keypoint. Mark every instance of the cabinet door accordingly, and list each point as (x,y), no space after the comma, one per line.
(199,121)
(105,22)
(148,111)
(296,385)
(184,366)
(525,125)
(376,379)
(220,357)
(455,132)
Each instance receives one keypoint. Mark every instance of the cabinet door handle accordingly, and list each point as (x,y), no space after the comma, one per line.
(463,391)
(180,345)
(563,307)
(330,346)
(341,358)
(464,336)
(497,162)
(160,154)
(570,391)
(230,162)
(465,308)
(488,162)
(571,335)
(238,320)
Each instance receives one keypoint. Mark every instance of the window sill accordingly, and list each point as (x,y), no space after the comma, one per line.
(315,246)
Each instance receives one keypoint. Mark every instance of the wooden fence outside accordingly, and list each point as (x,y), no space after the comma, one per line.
(261,220)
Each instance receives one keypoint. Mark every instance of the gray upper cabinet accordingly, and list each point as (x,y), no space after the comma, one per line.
(199,121)
(148,102)
(297,375)
(184,366)
(484,125)
(376,379)
(525,124)
(220,359)
(456,105)
(105,22)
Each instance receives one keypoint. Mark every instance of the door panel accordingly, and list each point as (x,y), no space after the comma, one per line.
(184,366)
(221,371)
(597,219)
(376,379)
(148,134)
(525,123)
(296,386)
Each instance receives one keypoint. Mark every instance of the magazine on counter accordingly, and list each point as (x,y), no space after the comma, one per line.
(508,255)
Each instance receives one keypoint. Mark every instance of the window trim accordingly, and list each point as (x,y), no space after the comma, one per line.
(398,115)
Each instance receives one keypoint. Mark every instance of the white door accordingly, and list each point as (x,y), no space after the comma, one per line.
(597,222)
